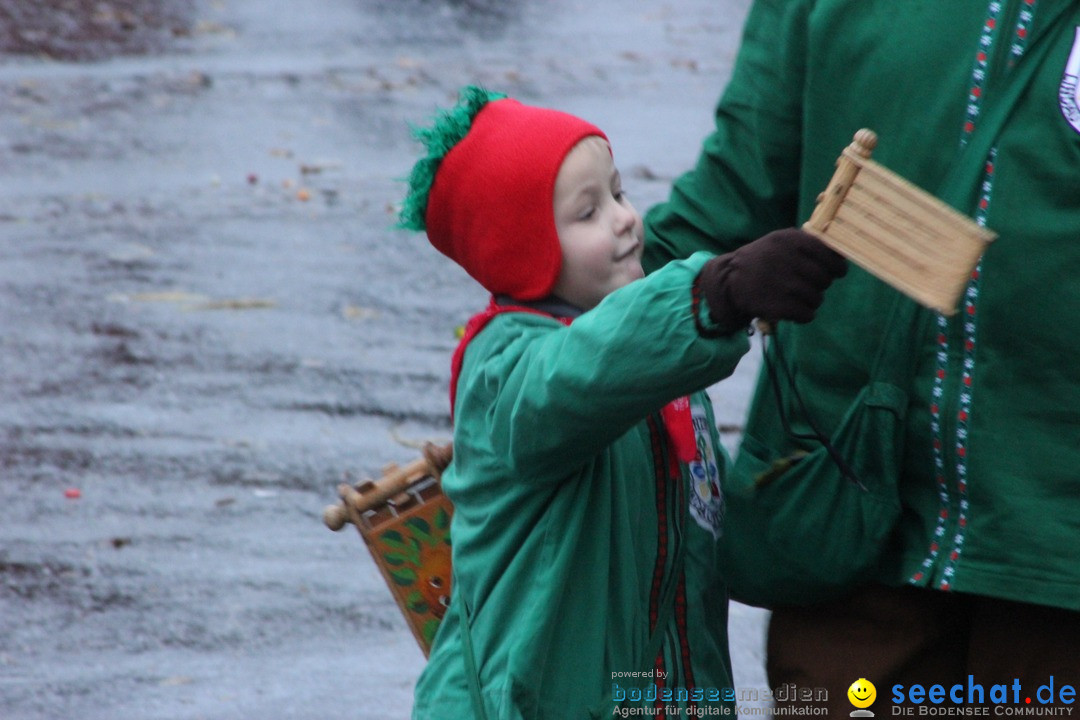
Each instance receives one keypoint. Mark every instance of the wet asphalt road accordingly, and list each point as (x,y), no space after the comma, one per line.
(207,322)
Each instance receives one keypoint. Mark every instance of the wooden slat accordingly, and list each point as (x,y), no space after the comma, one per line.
(897,231)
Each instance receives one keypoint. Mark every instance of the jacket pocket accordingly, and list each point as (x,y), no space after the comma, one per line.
(797,530)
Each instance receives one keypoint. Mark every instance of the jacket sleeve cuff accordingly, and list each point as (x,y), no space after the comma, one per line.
(712,321)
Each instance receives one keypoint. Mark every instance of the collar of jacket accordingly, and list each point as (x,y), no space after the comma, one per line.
(550,305)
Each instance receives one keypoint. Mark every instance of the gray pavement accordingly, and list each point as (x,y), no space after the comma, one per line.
(208,322)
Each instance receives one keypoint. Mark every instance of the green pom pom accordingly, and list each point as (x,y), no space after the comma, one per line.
(449,128)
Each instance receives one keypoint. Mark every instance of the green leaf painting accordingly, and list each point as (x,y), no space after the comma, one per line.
(403,576)
(428,631)
(416,602)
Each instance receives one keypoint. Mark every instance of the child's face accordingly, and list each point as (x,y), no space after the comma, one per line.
(601,233)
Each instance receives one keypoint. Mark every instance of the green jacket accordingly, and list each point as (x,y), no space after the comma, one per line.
(567,520)
(991,471)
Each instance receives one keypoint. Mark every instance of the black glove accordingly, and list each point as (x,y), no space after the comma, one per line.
(781,276)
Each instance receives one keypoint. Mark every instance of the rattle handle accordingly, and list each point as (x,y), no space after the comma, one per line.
(434,461)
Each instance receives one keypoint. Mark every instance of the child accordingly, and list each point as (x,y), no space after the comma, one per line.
(586,466)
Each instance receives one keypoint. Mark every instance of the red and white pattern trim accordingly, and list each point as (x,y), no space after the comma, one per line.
(1023,29)
(958,455)
(982,65)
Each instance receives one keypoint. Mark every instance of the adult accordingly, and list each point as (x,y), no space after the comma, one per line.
(983,579)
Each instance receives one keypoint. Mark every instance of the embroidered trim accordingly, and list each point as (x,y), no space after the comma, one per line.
(682,500)
(1024,21)
(938,395)
(1023,29)
(963,415)
(978,75)
(661,540)
(684,635)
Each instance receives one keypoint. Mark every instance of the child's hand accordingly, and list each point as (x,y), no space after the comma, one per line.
(781,276)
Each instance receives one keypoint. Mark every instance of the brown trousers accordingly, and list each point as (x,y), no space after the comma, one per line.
(910,636)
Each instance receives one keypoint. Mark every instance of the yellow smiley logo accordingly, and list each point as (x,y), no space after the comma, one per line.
(862,693)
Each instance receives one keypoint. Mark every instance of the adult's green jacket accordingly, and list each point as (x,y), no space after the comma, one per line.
(991,470)
(569,520)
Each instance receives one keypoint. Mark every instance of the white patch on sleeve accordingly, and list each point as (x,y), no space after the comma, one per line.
(706,500)
(1069,92)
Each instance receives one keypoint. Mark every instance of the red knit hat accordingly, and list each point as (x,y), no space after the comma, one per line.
(491,202)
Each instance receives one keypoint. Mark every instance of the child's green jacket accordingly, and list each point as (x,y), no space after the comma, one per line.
(569,524)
